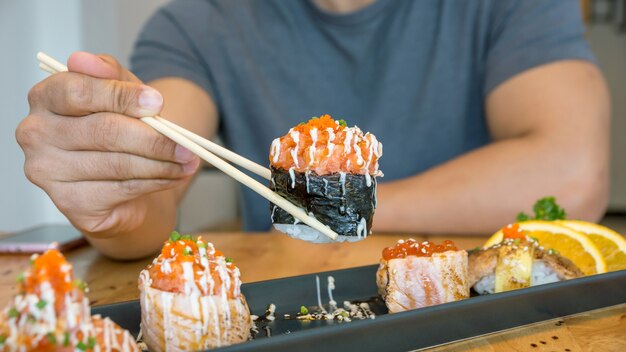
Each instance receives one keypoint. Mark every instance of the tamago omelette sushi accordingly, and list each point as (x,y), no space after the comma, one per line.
(330,170)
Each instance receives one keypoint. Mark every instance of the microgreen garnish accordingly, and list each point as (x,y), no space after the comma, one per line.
(66,339)
(91,342)
(81,346)
(545,209)
(303,310)
(174,236)
(552,251)
(229,260)
(21,277)
(534,239)
(41,304)
(186,237)
(343,123)
(3,338)
(80,284)
(201,244)
(52,338)
(13,313)
(187,251)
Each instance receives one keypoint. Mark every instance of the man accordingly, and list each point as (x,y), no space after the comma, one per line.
(482,106)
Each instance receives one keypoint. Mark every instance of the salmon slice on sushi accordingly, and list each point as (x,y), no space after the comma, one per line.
(415,275)
(517,262)
(190,298)
(330,171)
(51,313)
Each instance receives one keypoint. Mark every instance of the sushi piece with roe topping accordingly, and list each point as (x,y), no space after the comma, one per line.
(414,275)
(191,299)
(51,313)
(330,170)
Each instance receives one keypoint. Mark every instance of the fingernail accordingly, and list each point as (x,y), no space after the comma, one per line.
(183,154)
(191,166)
(150,101)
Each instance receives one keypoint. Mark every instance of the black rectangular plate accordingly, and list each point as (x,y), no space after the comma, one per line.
(401,331)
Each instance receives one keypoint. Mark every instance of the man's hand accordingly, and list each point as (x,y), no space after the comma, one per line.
(86,148)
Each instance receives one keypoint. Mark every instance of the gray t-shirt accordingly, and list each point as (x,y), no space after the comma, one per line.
(414,73)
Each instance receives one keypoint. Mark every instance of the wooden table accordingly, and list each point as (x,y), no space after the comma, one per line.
(268,256)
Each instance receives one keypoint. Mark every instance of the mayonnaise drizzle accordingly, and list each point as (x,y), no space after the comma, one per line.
(342,181)
(295,135)
(353,139)
(361,229)
(292,175)
(276,149)
(331,286)
(346,143)
(306,177)
(189,282)
(312,148)
(346,314)
(319,296)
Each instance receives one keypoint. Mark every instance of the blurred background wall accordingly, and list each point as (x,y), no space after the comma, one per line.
(25,28)
(61,27)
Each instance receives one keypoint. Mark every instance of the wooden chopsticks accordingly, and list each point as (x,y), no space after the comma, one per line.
(212,154)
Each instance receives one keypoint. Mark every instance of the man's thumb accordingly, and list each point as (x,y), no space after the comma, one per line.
(99,66)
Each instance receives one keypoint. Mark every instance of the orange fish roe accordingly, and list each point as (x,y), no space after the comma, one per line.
(405,248)
(512,231)
(51,269)
(321,123)
(326,146)
(188,265)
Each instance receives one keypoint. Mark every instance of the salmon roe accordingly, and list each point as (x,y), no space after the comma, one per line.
(184,250)
(405,248)
(321,123)
(168,274)
(513,232)
(52,268)
(326,146)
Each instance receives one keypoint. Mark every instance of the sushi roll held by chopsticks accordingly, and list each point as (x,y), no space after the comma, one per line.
(190,298)
(51,313)
(414,275)
(330,171)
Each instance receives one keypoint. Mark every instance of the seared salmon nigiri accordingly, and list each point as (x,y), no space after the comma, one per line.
(415,275)
(191,299)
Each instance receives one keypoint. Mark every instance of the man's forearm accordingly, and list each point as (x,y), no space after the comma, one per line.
(482,191)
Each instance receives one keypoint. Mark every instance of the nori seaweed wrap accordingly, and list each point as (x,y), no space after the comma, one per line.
(329,170)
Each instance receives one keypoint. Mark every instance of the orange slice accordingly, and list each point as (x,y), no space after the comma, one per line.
(573,245)
(612,245)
